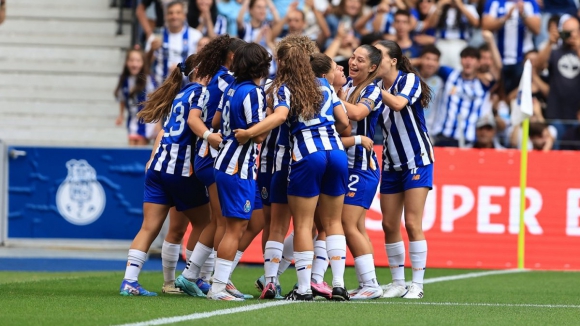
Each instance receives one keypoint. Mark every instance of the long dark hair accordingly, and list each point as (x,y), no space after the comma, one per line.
(251,61)
(141,78)
(193,13)
(404,65)
(459,21)
(375,57)
(158,105)
(320,63)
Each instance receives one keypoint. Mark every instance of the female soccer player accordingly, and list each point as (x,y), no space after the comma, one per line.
(407,167)
(243,105)
(170,180)
(318,170)
(364,107)
(134,84)
(218,56)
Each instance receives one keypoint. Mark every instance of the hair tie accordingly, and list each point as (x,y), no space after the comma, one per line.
(181,67)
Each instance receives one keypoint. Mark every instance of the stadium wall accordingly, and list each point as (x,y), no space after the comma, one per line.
(87,196)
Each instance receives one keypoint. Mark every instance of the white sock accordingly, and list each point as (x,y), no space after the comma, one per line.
(272,260)
(396,256)
(336,248)
(207,267)
(357,266)
(198,257)
(366,268)
(135,261)
(303,269)
(287,255)
(239,255)
(188,254)
(221,274)
(169,258)
(418,255)
(320,263)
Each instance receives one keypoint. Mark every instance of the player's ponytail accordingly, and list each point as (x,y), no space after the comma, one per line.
(158,105)
(404,65)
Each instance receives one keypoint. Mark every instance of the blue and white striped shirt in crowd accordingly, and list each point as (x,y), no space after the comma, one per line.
(174,154)
(513,39)
(216,87)
(406,141)
(454,28)
(466,100)
(318,133)
(243,105)
(358,157)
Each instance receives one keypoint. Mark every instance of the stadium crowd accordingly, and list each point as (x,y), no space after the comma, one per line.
(471,54)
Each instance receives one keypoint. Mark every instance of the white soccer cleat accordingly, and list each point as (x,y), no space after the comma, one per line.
(367,293)
(393,291)
(355,291)
(222,296)
(415,292)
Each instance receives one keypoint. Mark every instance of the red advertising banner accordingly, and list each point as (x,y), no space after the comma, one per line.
(471,218)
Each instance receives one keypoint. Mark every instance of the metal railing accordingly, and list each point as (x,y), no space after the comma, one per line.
(124,5)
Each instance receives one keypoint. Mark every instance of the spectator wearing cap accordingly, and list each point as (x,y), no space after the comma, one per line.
(485,133)
(571,139)
(514,24)
(465,99)
(564,74)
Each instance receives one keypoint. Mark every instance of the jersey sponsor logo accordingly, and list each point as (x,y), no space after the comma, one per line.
(264,193)
(247,206)
(80,198)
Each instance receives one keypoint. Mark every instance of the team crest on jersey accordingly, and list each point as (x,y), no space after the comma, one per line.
(264,193)
(247,206)
(80,198)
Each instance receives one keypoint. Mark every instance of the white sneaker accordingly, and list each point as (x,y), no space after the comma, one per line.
(367,293)
(171,289)
(393,291)
(222,296)
(415,292)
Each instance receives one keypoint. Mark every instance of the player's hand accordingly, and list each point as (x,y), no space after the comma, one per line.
(242,135)
(119,120)
(367,143)
(383,7)
(214,140)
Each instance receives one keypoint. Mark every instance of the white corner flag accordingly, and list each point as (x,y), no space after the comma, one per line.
(524,106)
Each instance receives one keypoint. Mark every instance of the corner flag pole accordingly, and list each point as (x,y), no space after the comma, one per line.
(523,179)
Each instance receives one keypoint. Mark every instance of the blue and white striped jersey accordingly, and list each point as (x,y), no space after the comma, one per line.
(318,133)
(268,147)
(134,104)
(243,105)
(457,29)
(358,157)
(220,26)
(465,101)
(174,154)
(406,142)
(513,39)
(216,87)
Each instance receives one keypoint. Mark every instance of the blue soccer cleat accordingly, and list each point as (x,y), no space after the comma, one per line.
(203,285)
(188,287)
(134,288)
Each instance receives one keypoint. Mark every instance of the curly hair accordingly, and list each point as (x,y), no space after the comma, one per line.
(209,60)
(158,105)
(292,52)
(251,61)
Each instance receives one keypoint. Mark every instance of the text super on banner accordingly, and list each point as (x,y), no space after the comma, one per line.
(471,217)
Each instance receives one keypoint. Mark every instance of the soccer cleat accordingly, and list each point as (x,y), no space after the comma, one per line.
(321,290)
(355,291)
(134,288)
(339,294)
(269,291)
(279,295)
(231,289)
(222,296)
(392,290)
(368,292)
(171,289)
(188,287)
(202,285)
(295,296)
(260,283)
(415,292)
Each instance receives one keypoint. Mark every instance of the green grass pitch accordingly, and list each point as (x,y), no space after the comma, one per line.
(92,298)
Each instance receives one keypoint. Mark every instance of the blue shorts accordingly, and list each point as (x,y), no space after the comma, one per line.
(206,175)
(258,204)
(394,182)
(362,187)
(237,195)
(264,180)
(323,172)
(174,190)
(279,186)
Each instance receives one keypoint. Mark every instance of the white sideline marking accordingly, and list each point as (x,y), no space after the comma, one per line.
(521,305)
(221,312)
